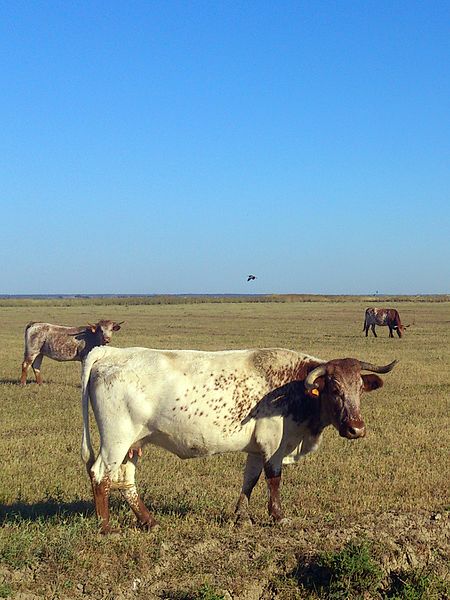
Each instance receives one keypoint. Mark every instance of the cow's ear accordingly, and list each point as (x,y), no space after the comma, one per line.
(116,327)
(371,382)
(319,384)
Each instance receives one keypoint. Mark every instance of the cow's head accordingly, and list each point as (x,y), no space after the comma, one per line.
(103,330)
(339,384)
(400,329)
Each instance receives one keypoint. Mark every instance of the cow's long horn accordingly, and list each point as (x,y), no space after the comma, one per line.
(376,368)
(121,322)
(313,375)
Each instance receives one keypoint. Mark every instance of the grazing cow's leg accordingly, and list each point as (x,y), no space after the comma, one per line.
(127,486)
(253,468)
(390,332)
(273,479)
(373,330)
(37,368)
(367,329)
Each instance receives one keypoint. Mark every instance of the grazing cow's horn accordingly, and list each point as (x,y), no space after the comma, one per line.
(376,369)
(119,323)
(313,375)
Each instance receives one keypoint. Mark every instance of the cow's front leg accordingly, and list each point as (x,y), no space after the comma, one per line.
(126,483)
(253,468)
(273,479)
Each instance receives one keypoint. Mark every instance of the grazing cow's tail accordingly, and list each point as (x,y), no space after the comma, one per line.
(365,319)
(87,452)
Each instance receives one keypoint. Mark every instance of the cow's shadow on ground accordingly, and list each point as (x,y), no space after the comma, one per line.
(9,381)
(46,509)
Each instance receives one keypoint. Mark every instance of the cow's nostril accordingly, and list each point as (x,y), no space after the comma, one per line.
(353,431)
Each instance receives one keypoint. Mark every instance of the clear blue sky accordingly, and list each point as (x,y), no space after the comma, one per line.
(177,146)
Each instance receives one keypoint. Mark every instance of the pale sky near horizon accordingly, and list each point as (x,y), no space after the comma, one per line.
(176,147)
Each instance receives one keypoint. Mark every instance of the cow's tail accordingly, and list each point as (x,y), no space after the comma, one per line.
(27,327)
(87,451)
(365,320)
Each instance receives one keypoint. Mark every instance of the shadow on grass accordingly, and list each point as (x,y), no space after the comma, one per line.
(182,507)
(33,383)
(49,508)
(10,382)
(45,509)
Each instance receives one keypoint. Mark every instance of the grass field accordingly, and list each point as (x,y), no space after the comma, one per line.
(370,518)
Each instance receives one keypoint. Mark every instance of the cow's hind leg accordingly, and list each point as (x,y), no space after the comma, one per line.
(101,493)
(25,366)
(126,483)
(104,470)
(373,330)
(253,469)
(35,361)
(36,365)
(27,360)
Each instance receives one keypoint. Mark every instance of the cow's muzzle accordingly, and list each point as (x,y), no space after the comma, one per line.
(352,430)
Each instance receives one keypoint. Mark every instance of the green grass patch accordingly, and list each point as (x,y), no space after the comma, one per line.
(342,575)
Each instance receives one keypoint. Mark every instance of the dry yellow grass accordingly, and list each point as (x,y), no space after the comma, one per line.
(390,487)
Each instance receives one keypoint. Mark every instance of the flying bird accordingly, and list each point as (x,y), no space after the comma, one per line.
(251,277)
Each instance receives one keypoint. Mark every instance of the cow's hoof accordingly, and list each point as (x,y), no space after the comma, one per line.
(148,525)
(109,530)
(242,521)
(284,522)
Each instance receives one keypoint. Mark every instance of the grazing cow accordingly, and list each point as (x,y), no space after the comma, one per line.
(383,316)
(272,404)
(62,343)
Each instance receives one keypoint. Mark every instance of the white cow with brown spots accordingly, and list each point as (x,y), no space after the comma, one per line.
(62,343)
(272,404)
